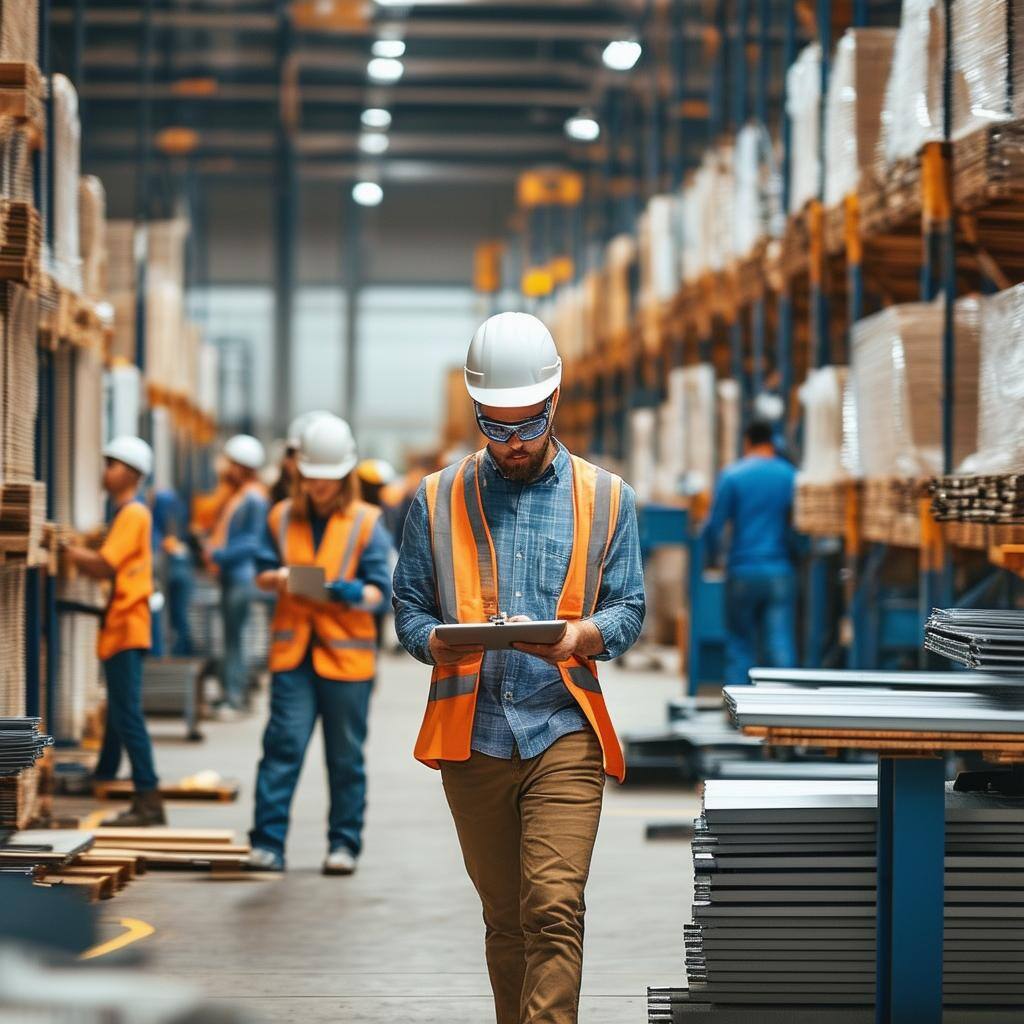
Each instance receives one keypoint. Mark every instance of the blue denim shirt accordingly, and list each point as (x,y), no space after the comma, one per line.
(237,559)
(522,703)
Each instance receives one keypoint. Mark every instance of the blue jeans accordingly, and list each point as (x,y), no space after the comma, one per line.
(760,623)
(180,583)
(126,726)
(235,599)
(297,698)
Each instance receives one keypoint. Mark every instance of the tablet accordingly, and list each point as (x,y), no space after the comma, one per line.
(501,636)
(309,581)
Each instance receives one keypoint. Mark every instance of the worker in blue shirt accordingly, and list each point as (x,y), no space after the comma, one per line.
(173,559)
(755,496)
(231,556)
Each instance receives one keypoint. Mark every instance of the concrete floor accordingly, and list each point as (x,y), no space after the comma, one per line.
(401,940)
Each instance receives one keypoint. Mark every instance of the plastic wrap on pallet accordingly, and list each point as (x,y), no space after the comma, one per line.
(19,365)
(120,238)
(87,509)
(699,427)
(988,79)
(671,453)
(92,224)
(758,189)
(620,255)
(12,639)
(856,93)
(643,453)
(1001,386)
(67,131)
(727,394)
(912,111)
(19,30)
(658,243)
(565,321)
(163,448)
(849,455)
(721,213)
(897,373)
(207,388)
(822,398)
(803,106)
(125,403)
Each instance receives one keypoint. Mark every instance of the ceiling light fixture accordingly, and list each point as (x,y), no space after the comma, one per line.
(367,193)
(377,118)
(385,70)
(391,48)
(373,143)
(582,127)
(622,54)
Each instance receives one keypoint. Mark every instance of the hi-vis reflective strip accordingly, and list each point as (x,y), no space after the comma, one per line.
(584,679)
(353,537)
(352,645)
(282,530)
(488,585)
(598,539)
(283,635)
(453,686)
(444,559)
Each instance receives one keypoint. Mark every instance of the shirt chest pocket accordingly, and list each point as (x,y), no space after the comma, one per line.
(553,559)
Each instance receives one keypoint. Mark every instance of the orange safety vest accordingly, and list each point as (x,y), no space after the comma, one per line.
(344,639)
(466,576)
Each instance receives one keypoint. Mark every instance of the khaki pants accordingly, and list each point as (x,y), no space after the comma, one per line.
(527,831)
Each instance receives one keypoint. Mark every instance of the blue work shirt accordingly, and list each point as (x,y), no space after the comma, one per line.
(168,517)
(237,558)
(755,495)
(374,563)
(522,703)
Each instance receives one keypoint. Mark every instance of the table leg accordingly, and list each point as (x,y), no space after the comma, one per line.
(911,873)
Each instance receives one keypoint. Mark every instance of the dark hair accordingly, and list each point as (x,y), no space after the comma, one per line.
(759,432)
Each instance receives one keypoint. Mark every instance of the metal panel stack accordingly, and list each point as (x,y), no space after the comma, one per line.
(784,896)
(21,745)
(980,638)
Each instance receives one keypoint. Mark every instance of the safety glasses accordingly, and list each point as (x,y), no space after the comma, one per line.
(527,430)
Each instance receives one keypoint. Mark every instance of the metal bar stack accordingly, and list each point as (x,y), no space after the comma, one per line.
(21,745)
(785,890)
(979,638)
(997,499)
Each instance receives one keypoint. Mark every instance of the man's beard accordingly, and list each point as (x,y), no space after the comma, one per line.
(522,471)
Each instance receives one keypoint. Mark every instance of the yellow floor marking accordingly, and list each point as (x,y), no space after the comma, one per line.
(94,820)
(135,931)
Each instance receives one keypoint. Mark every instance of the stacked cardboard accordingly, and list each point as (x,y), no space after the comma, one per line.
(803,106)
(67,263)
(19,30)
(12,639)
(822,396)
(620,256)
(757,206)
(856,93)
(19,315)
(897,377)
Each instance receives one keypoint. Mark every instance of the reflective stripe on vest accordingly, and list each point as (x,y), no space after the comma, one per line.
(453,686)
(350,545)
(584,679)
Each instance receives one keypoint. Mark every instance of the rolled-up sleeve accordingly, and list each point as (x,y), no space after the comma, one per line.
(621,604)
(415,597)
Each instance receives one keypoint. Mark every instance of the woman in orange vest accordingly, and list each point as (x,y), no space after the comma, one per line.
(323,652)
(126,559)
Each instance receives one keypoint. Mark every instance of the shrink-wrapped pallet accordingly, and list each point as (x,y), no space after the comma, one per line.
(699,427)
(620,256)
(856,94)
(803,107)
(822,396)
(87,509)
(643,453)
(897,373)
(721,213)
(67,131)
(728,413)
(207,389)
(19,30)
(593,311)
(757,200)
(125,405)
(659,256)
(120,240)
(671,452)
(92,224)
(988,61)
(565,321)
(1001,386)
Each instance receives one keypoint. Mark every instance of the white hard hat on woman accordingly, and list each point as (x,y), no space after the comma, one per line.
(327,450)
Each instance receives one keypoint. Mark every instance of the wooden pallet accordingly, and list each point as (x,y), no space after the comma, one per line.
(122,789)
(22,514)
(892,511)
(21,97)
(825,509)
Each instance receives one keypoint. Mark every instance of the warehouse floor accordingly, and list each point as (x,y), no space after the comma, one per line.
(401,940)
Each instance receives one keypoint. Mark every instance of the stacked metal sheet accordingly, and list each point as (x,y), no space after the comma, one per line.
(784,896)
(979,499)
(21,744)
(982,638)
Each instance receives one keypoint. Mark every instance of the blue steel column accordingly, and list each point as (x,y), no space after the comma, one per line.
(911,890)
(285,229)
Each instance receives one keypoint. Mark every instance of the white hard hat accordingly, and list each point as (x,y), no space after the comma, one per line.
(512,361)
(328,449)
(245,450)
(133,452)
(298,426)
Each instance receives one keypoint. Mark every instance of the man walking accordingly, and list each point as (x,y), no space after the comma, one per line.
(522,738)
(755,495)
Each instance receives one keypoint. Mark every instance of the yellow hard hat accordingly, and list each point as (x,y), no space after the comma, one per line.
(376,471)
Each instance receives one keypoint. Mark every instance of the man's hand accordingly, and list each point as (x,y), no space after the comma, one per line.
(581,637)
(449,654)
(275,581)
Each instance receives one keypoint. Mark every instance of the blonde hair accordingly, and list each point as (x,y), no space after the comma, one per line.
(302,506)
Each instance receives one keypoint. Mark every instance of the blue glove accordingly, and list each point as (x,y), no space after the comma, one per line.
(349,591)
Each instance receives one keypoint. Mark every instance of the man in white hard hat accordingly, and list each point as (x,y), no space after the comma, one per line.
(288,474)
(522,738)
(126,559)
(231,555)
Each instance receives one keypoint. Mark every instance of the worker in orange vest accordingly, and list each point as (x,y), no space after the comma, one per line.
(522,738)
(231,555)
(126,559)
(323,652)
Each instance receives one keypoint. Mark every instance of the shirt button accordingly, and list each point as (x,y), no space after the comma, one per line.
(519,554)
(519,593)
(508,695)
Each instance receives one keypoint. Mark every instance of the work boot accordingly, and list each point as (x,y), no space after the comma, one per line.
(147,809)
(340,862)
